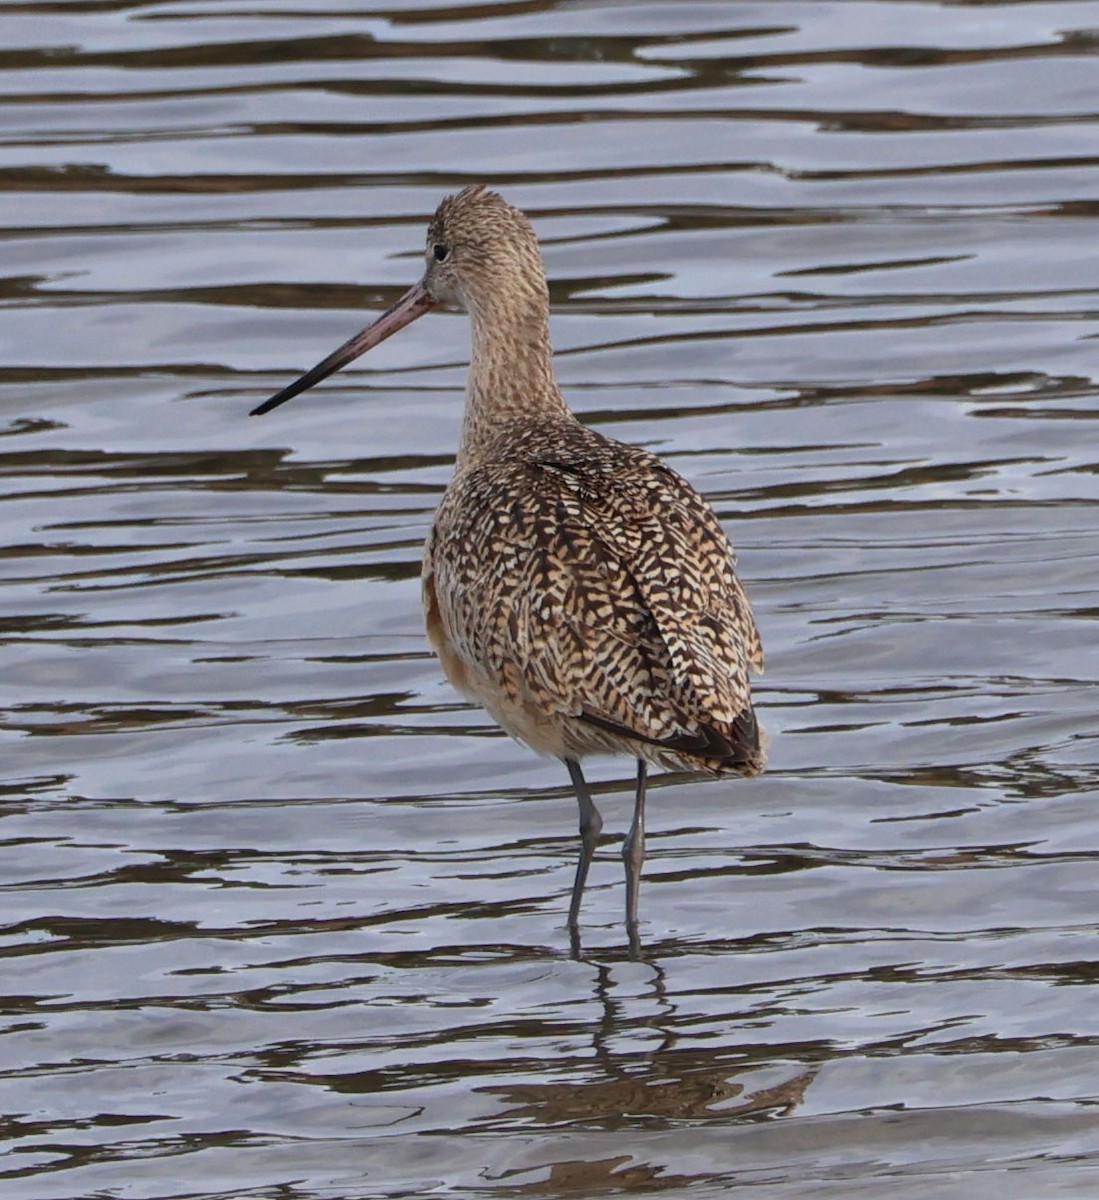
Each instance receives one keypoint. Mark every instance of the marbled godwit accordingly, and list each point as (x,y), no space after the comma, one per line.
(576,587)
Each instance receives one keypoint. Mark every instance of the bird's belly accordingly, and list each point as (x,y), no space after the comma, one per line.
(544,733)
(555,734)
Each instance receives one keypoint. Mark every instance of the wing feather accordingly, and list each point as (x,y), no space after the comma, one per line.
(609,596)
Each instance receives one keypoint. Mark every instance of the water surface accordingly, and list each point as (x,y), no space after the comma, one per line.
(282,916)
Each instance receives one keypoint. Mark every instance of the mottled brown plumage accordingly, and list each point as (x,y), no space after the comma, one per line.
(584,594)
(577,588)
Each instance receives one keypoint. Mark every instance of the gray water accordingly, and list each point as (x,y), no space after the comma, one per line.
(282,917)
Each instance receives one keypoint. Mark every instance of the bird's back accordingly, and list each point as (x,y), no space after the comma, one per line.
(585,594)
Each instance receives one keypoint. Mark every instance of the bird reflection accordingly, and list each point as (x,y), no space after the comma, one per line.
(642,1077)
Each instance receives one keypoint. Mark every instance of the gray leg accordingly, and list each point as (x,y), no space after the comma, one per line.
(633,851)
(591,825)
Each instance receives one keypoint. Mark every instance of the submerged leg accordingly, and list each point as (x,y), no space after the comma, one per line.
(591,825)
(633,852)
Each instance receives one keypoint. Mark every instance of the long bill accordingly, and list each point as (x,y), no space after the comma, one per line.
(414,303)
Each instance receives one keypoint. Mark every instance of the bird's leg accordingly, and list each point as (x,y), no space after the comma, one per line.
(591,825)
(633,852)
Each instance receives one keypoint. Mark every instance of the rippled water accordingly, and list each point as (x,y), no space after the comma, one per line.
(283,918)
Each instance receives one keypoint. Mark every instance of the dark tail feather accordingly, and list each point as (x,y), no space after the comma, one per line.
(725,753)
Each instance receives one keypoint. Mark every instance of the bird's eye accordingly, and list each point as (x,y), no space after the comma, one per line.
(441,251)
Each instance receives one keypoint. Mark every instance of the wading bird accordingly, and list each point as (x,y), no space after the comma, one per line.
(576,587)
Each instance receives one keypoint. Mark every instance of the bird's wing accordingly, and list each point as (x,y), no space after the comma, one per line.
(602,594)
(685,570)
(668,538)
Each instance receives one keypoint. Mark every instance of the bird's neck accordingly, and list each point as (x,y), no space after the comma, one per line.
(511,388)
